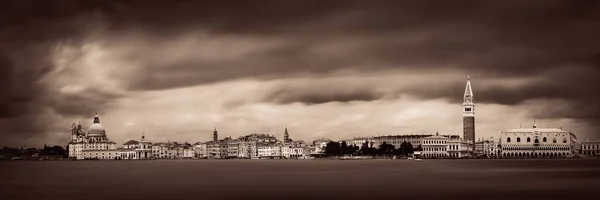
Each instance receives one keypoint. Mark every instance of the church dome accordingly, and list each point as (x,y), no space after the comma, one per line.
(96,129)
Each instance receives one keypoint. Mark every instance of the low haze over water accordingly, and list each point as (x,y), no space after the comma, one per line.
(301,179)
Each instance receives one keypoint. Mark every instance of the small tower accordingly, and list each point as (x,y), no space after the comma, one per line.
(143,137)
(534,125)
(73,132)
(215,135)
(286,135)
(96,119)
(80,130)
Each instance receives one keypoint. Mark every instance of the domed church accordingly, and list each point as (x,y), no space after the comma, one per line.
(94,144)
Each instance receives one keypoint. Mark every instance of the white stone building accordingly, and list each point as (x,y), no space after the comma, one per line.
(536,142)
(266,150)
(161,150)
(200,150)
(93,145)
(459,148)
(590,147)
(435,147)
(445,146)
(396,140)
(143,149)
(293,152)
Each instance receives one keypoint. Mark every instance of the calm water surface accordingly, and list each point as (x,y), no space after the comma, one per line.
(301,179)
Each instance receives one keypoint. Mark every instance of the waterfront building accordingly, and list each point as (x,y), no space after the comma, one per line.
(293,152)
(162,150)
(536,142)
(143,149)
(469,114)
(360,141)
(486,148)
(320,145)
(187,151)
(128,154)
(445,146)
(396,140)
(590,147)
(248,145)
(232,148)
(269,150)
(93,145)
(459,148)
(200,150)
(435,147)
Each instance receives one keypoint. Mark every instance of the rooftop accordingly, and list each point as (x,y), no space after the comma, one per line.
(531,130)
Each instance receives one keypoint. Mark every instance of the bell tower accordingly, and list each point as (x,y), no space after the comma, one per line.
(215,135)
(286,135)
(469,114)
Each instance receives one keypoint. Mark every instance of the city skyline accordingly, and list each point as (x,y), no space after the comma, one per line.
(338,70)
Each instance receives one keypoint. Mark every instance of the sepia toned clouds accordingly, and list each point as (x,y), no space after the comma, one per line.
(183,67)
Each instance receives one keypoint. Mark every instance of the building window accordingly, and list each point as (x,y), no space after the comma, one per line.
(544,140)
(508,139)
(554,140)
(564,140)
(528,139)
(518,139)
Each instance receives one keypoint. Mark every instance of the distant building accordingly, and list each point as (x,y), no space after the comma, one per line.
(590,147)
(319,145)
(537,142)
(142,149)
(93,145)
(162,150)
(486,148)
(396,140)
(440,146)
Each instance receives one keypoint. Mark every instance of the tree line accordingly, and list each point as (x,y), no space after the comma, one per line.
(367,149)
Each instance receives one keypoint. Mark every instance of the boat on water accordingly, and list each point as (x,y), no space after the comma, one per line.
(418,160)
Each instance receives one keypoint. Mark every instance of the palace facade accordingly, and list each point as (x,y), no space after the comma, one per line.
(537,142)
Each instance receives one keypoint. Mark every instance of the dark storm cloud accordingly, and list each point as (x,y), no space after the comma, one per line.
(287,95)
(478,37)
(487,39)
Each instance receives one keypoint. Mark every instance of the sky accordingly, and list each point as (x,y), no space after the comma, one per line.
(177,69)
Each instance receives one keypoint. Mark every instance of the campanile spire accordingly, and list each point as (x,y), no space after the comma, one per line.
(469,114)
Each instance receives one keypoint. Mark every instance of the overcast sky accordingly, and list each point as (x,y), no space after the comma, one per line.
(333,69)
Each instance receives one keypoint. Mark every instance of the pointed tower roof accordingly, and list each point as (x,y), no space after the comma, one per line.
(468,90)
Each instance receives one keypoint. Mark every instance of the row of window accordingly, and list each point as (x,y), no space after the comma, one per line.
(536,148)
(536,140)
(534,154)
(434,149)
(590,147)
(434,142)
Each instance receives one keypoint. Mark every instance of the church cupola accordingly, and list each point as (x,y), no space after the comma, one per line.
(96,119)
